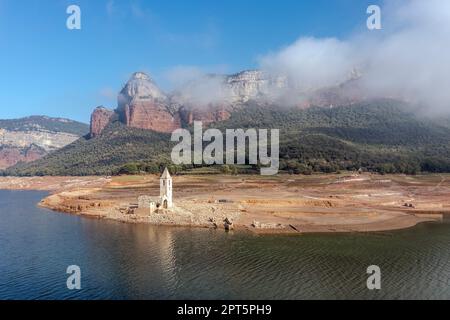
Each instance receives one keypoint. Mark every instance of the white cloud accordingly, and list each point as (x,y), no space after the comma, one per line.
(311,62)
(408,58)
(181,75)
(198,86)
(108,93)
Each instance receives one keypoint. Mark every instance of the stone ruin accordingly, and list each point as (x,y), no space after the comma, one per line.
(147,205)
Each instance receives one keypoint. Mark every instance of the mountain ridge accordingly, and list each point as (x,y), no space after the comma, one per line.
(383,136)
(336,129)
(209,98)
(30,138)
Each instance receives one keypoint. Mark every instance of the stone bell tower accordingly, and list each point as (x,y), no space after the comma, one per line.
(165,190)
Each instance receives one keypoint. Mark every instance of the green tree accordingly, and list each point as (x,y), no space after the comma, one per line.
(225,169)
(129,168)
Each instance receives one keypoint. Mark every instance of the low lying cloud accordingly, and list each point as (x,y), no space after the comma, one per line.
(312,62)
(198,87)
(108,93)
(180,76)
(408,59)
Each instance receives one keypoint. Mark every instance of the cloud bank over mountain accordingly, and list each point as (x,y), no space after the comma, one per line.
(408,58)
(197,86)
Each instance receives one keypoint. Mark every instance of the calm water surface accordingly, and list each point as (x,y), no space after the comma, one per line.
(121,261)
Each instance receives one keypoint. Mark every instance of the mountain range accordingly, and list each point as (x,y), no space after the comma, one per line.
(211,98)
(323,129)
(31,138)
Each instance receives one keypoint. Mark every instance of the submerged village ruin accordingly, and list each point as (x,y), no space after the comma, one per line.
(161,210)
(147,205)
(279,204)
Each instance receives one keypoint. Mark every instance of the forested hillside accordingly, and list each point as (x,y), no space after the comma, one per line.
(45,123)
(382,136)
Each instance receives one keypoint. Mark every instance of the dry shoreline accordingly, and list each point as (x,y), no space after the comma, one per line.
(285,204)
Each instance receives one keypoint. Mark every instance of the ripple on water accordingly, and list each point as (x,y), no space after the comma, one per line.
(122,261)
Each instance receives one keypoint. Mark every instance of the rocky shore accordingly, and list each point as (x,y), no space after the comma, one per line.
(263,205)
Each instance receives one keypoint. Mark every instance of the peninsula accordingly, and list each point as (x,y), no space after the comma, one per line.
(346,202)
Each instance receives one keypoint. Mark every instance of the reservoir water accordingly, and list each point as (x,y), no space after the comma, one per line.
(124,261)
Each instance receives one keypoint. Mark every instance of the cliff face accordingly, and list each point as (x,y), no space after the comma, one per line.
(10,156)
(254,85)
(206,115)
(141,104)
(212,98)
(28,139)
(99,120)
(141,87)
(151,116)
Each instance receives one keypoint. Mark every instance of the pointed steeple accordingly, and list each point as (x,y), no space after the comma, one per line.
(165,190)
(166,174)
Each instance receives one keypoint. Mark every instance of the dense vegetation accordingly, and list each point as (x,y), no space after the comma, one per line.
(380,136)
(45,123)
(383,136)
(104,155)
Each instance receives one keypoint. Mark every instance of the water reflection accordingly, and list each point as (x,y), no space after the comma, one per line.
(125,261)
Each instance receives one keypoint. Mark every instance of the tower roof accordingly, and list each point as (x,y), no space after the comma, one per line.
(166,174)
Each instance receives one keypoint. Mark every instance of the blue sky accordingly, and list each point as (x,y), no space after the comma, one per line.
(47,69)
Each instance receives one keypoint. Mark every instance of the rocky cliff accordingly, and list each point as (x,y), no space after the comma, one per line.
(99,120)
(10,155)
(28,139)
(211,98)
(142,104)
(255,85)
(150,115)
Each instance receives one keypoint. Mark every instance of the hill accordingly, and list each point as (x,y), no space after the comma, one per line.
(28,139)
(383,136)
(33,123)
(103,155)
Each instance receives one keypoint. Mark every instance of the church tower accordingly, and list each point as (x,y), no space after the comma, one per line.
(165,190)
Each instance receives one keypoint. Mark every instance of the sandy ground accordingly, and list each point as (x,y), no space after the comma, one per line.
(280,204)
(50,183)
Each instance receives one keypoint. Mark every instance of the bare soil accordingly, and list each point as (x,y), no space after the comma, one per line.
(280,204)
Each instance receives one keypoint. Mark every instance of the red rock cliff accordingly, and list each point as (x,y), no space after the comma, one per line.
(151,116)
(207,116)
(99,120)
(10,156)
(141,104)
